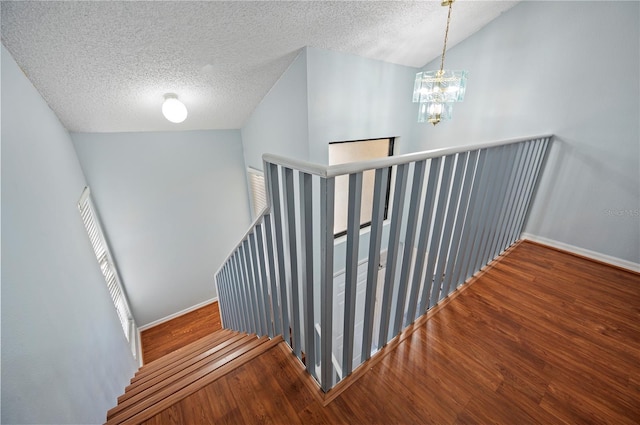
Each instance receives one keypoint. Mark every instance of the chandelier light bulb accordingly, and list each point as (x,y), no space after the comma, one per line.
(172,109)
(437,91)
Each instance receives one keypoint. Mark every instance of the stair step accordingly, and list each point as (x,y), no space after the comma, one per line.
(181,352)
(148,389)
(165,378)
(196,380)
(177,364)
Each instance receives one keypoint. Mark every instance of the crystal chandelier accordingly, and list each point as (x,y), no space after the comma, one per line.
(436,91)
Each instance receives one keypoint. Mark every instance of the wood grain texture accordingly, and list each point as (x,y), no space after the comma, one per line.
(185,368)
(168,361)
(157,401)
(541,337)
(179,332)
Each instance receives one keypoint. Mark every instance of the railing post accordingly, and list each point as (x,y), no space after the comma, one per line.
(427,292)
(516,175)
(412,222)
(293,261)
(231,303)
(444,251)
(327,194)
(223,299)
(351,273)
(486,179)
(425,227)
(500,193)
(375,238)
(532,148)
(306,243)
(490,209)
(257,286)
(392,251)
(462,217)
(277,317)
(278,230)
(269,318)
(246,286)
(244,320)
(232,307)
(540,159)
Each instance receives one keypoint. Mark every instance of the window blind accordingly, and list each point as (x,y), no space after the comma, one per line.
(257,189)
(107,266)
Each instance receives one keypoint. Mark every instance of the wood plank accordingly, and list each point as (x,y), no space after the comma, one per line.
(192,383)
(541,336)
(169,336)
(185,352)
(156,382)
(145,391)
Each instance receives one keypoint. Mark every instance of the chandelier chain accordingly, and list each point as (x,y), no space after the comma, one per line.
(446,35)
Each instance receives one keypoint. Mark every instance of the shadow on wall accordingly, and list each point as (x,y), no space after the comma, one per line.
(567,161)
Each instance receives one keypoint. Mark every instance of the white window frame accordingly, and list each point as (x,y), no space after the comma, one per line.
(108,267)
(342,185)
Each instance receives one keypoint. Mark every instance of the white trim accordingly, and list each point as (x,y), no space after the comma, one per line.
(618,262)
(179,313)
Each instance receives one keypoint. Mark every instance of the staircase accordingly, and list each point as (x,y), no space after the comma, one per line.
(453,212)
(166,381)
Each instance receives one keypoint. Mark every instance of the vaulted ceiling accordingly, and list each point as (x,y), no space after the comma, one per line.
(104,66)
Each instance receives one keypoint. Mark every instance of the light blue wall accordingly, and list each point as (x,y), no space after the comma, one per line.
(329,96)
(279,123)
(64,355)
(354,98)
(572,69)
(173,204)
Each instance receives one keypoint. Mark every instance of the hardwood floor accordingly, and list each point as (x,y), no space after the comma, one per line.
(176,333)
(540,337)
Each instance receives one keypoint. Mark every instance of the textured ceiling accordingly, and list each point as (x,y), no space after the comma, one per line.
(104,66)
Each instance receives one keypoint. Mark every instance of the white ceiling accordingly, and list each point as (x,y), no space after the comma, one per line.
(104,66)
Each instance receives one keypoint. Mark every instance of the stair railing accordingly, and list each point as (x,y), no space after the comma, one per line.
(451,212)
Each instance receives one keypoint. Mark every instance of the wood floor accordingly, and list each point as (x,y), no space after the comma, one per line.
(179,332)
(541,337)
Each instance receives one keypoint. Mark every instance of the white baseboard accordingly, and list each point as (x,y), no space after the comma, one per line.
(618,262)
(179,313)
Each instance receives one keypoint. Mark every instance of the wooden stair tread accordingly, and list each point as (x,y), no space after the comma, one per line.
(180,389)
(152,387)
(186,361)
(183,369)
(183,351)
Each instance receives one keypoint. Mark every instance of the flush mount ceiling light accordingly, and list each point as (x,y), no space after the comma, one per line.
(437,90)
(173,109)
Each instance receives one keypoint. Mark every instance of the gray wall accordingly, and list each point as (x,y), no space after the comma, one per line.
(568,68)
(173,205)
(64,356)
(329,96)
(354,98)
(279,123)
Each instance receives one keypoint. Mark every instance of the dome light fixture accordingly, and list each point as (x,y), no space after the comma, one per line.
(172,109)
